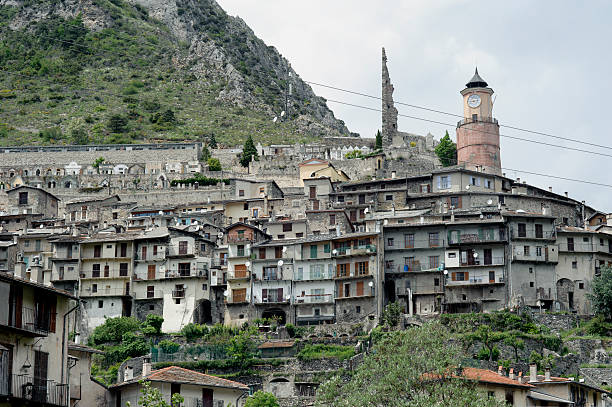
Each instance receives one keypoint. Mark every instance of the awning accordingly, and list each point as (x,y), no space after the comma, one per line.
(547,397)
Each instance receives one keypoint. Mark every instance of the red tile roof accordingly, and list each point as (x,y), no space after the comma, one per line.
(487,376)
(175,374)
(276,344)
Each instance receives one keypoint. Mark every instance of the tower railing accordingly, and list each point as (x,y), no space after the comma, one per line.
(469,120)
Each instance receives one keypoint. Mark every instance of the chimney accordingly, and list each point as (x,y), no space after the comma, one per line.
(566,194)
(549,189)
(518,180)
(500,370)
(338,230)
(393,174)
(128,373)
(533,372)
(511,374)
(547,374)
(520,377)
(146,367)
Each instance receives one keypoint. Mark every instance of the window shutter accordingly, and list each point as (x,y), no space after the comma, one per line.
(466,276)
(459,202)
(454,276)
(53,316)
(264,293)
(280,294)
(439,182)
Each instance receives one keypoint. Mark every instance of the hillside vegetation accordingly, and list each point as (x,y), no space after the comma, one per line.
(113,71)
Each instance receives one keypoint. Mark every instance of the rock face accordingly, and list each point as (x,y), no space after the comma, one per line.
(208,45)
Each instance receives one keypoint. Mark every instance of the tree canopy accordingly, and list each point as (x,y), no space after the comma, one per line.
(416,367)
(446,151)
(261,399)
(601,296)
(379,141)
(248,151)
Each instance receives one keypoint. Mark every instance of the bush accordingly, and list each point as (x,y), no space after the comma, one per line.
(483,353)
(295,331)
(113,329)
(392,314)
(169,346)
(152,325)
(192,332)
(117,124)
(214,164)
(598,326)
(261,399)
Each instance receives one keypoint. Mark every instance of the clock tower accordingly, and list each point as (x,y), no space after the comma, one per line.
(478,132)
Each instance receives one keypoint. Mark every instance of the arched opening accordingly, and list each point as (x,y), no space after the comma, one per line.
(279,380)
(38,172)
(390,290)
(565,293)
(67,184)
(203,314)
(275,313)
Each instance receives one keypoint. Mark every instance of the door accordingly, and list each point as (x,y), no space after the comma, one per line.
(488,256)
(144,253)
(360,288)
(151,272)
(207,398)
(347,290)
(41,360)
(491,276)
(312,192)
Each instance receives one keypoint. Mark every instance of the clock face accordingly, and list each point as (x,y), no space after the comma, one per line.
(473,100)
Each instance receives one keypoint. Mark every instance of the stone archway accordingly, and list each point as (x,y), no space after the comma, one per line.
(565,293)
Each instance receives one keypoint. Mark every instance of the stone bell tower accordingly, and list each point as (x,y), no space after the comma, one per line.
(478,133)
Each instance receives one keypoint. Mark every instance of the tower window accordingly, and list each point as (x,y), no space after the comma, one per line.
(475,117)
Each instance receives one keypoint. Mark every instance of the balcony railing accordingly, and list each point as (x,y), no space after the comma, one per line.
(576,247)
(530,257)
(31,320)
(161,255)
(177,251)
(493,261)
(354,251)
(270,300)
(469,120)
(311,275)
(238,274)
(235,238)
(405,268)
(176,273)
(87,274)
(102,292)
(220,262)
(314,299)
(469,238)
(148,295)
(39,390)
(531,234)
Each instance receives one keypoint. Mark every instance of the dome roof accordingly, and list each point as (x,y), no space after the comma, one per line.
(476,81)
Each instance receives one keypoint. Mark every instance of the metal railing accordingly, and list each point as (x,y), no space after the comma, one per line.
(354,251)
(176,273)
(577,247)
(493,261)
(144,295)
(39,390)
(530,257)
(103,291)
(414,266)
(314,299)
(478,119)
(467,238)
(219,262)
(161,255)
(531,234)
(235,238)
(31,320)
(311,275)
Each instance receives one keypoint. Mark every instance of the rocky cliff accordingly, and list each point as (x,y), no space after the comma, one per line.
(141,70)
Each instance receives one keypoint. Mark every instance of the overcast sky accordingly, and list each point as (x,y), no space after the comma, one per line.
(547,61)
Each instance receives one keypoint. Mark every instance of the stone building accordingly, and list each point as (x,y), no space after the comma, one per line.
(25,199)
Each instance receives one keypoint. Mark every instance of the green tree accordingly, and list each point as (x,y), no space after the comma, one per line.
(417,367)
(488,338)
(152,325)
(152,397)
(601,296)
(261,399)
(379,141)
(214,164)
(97,163)
(79,136)
(446,151)
(113,329)
(205,154)
(117,124)
(516,343)
(212,143)
(242,349)
(249,151)
(392,314)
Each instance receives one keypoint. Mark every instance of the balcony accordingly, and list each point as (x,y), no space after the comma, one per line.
(30,322)
(177,273)
(354,251)
(313,276)
(405,268)
(238,275)
(104,292)
(148,295)
(160,256)
(314,299)
(101,274)
(177,251)
(576,247)
(469,120)
(270,300)
(491,262)
(236,238)
(475,281)
(37,390)
(219,262)
(474,238)
(532,235)
(532,257)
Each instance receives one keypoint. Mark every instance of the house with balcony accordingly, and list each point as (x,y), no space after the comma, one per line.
(238,296)
(534,256)
(272,267)
(313,281)
(171,277)
(65,262)
(413,263)
(105,276)
(356,275)
(475,263)
(33,342)
(582,252)
(34,246)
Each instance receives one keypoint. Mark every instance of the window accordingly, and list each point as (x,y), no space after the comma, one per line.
(95,270)
(460,276)
(574,264)
(491,276)
(241,192)
(313,251)
(362,268)
(106,270)
(530,270)
(488,184)
(358,309)
(280,237)
(581,286)
(340,198)
(475,181)
(123,250)
(326,248)
(332,219)
(455,202)
(539,233)
(115,215)
(98,250)
(444,182)
(23,198)
(312,193)
(361,213)
(434,239)
(353,216)
(409,241)
(240,250)
(100,303)
(245,206)
(436,282)
(526,250)
(388,197)
(83,212)
(278,252)
(262,253)
(570,244)
(538,251)
(522,230)
(203,247)
(123,269)
(342,270)
(585,240)
(287,227)
(434,262)
(390,241)
(94,288)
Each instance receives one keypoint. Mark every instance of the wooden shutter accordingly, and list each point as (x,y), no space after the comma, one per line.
(459,201)
(151,272)
(264,294)
(454,276)
(279,293)
(360,288)
(53,310)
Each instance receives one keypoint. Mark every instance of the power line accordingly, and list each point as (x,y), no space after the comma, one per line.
(460,116)
(476,130)
(558,177)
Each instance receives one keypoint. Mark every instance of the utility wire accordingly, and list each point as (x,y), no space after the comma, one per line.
(558,177)
(476,130)
(458,115)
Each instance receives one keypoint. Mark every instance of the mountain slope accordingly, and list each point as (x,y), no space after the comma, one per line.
(101,71)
